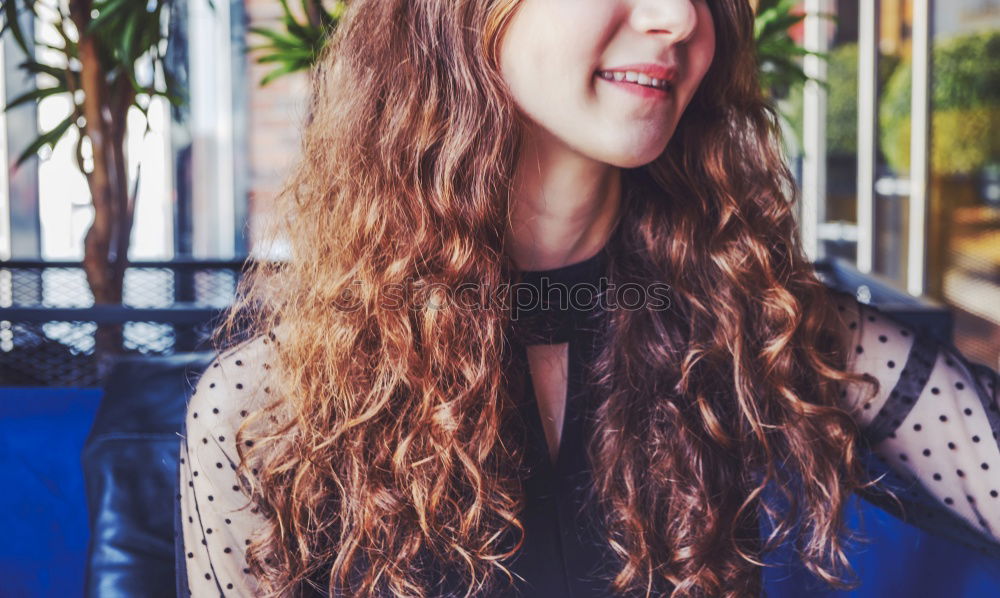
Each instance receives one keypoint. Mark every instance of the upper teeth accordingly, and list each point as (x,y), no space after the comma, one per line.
(635,77)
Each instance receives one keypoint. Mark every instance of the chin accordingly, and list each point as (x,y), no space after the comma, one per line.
(635,155)
(630,162)
(635,151)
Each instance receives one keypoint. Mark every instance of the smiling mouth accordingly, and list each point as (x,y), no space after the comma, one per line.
(636,78)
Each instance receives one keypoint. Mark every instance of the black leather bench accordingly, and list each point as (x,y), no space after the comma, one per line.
(130,466)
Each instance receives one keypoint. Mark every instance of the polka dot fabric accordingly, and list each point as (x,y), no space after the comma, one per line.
(932,426)
(215,514)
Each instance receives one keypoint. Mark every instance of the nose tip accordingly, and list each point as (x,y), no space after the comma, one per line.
(674,18)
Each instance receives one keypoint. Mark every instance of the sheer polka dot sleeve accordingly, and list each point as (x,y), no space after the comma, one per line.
(932,427)
(216,517)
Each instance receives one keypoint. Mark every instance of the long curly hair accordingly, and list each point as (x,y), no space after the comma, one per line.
(383,455)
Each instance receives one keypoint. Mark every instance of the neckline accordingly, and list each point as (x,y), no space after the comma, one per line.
(572,270)
(548,318)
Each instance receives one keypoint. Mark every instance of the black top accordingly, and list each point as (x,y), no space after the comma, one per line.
(933,426)
(563,551)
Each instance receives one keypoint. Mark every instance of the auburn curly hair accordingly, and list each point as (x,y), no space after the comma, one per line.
(382,457)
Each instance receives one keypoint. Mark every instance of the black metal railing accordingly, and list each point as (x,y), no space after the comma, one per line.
(48,320)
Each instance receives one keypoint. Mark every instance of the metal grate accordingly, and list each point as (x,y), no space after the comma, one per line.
(49,323)
(153,284)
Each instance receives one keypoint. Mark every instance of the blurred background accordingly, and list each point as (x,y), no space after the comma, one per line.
(145,141)
(899,156)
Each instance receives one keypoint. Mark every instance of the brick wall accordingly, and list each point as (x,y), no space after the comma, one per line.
(276,113)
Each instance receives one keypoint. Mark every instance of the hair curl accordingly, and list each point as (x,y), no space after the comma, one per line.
(384,456)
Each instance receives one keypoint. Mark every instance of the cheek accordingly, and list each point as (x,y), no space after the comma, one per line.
(527,60)
(550,51)
(544,76)
(701,53)
(708,53)
(706,40)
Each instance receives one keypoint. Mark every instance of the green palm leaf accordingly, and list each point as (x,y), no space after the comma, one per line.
(33,95)
(777,53)
(50,138)
(299,45)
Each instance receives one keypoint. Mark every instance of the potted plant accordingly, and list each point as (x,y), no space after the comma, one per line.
(95,66)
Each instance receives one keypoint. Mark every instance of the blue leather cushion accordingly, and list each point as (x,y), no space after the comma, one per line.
(42,509)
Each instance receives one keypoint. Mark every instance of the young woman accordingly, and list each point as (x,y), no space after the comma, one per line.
(400,423)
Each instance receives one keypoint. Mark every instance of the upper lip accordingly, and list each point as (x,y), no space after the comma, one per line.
(651,69)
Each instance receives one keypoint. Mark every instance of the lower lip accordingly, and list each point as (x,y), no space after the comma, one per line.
(643,91)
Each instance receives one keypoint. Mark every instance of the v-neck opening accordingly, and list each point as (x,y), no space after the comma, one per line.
(567,432)
(558,308)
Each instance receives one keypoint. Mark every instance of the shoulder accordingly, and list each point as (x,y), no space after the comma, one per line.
(883,347)
(872,335)
(236,382)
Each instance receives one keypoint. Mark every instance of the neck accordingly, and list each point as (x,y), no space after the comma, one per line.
(564,206)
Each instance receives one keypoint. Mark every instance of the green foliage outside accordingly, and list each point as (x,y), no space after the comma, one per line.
(842,98)
(966,105)
(965,123)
